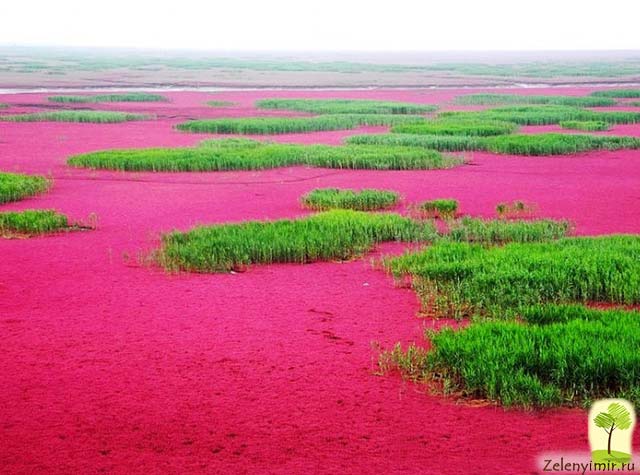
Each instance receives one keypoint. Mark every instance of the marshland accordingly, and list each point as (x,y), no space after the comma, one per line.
(303,280)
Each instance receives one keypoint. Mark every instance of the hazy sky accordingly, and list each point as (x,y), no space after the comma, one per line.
(325,24)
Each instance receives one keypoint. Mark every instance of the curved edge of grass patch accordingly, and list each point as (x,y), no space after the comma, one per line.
(326,236)
(79,116)
(16,186)
(362,200)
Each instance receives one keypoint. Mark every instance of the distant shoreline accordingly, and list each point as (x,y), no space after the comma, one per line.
(44,90)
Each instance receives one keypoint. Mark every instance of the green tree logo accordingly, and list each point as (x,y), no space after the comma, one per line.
(616,417)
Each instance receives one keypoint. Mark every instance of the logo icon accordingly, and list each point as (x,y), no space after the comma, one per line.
(611,424)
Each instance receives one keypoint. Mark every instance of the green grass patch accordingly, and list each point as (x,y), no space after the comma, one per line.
(3,106)
(586,125)
(125,97)
(617,93)
(556,144)
(32,222)
(480,128)
(216,103)
(557,355)
(573,101)
(501,231)
(513,144)
(462,279)
(219,155)
(363,200)
(346,106)
(99,117)
(530,344)
(544,115)
(286,125)
(14,187)
(331,235)
(442,143)
(441,208)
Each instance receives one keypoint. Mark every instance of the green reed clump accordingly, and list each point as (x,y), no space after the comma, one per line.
(440,208)
(99,117)
(124,97)
(471,127)
(14,187)
(558,355)
(442,143)
(252,155)
(32,222)
(346,106)
(514,209)
(336,234)
(286,125)
(501,231)
(363,200)
(462,279)
(544,115)
(557,144)
(217,103)
(617,93)
(586,125)
(573,101)
(3,106)
(635,104)
(363,157)
(513,144)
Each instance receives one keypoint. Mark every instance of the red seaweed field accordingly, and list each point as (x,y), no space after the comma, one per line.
(110,364)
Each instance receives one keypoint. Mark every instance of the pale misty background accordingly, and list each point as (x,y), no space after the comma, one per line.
(324,26)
